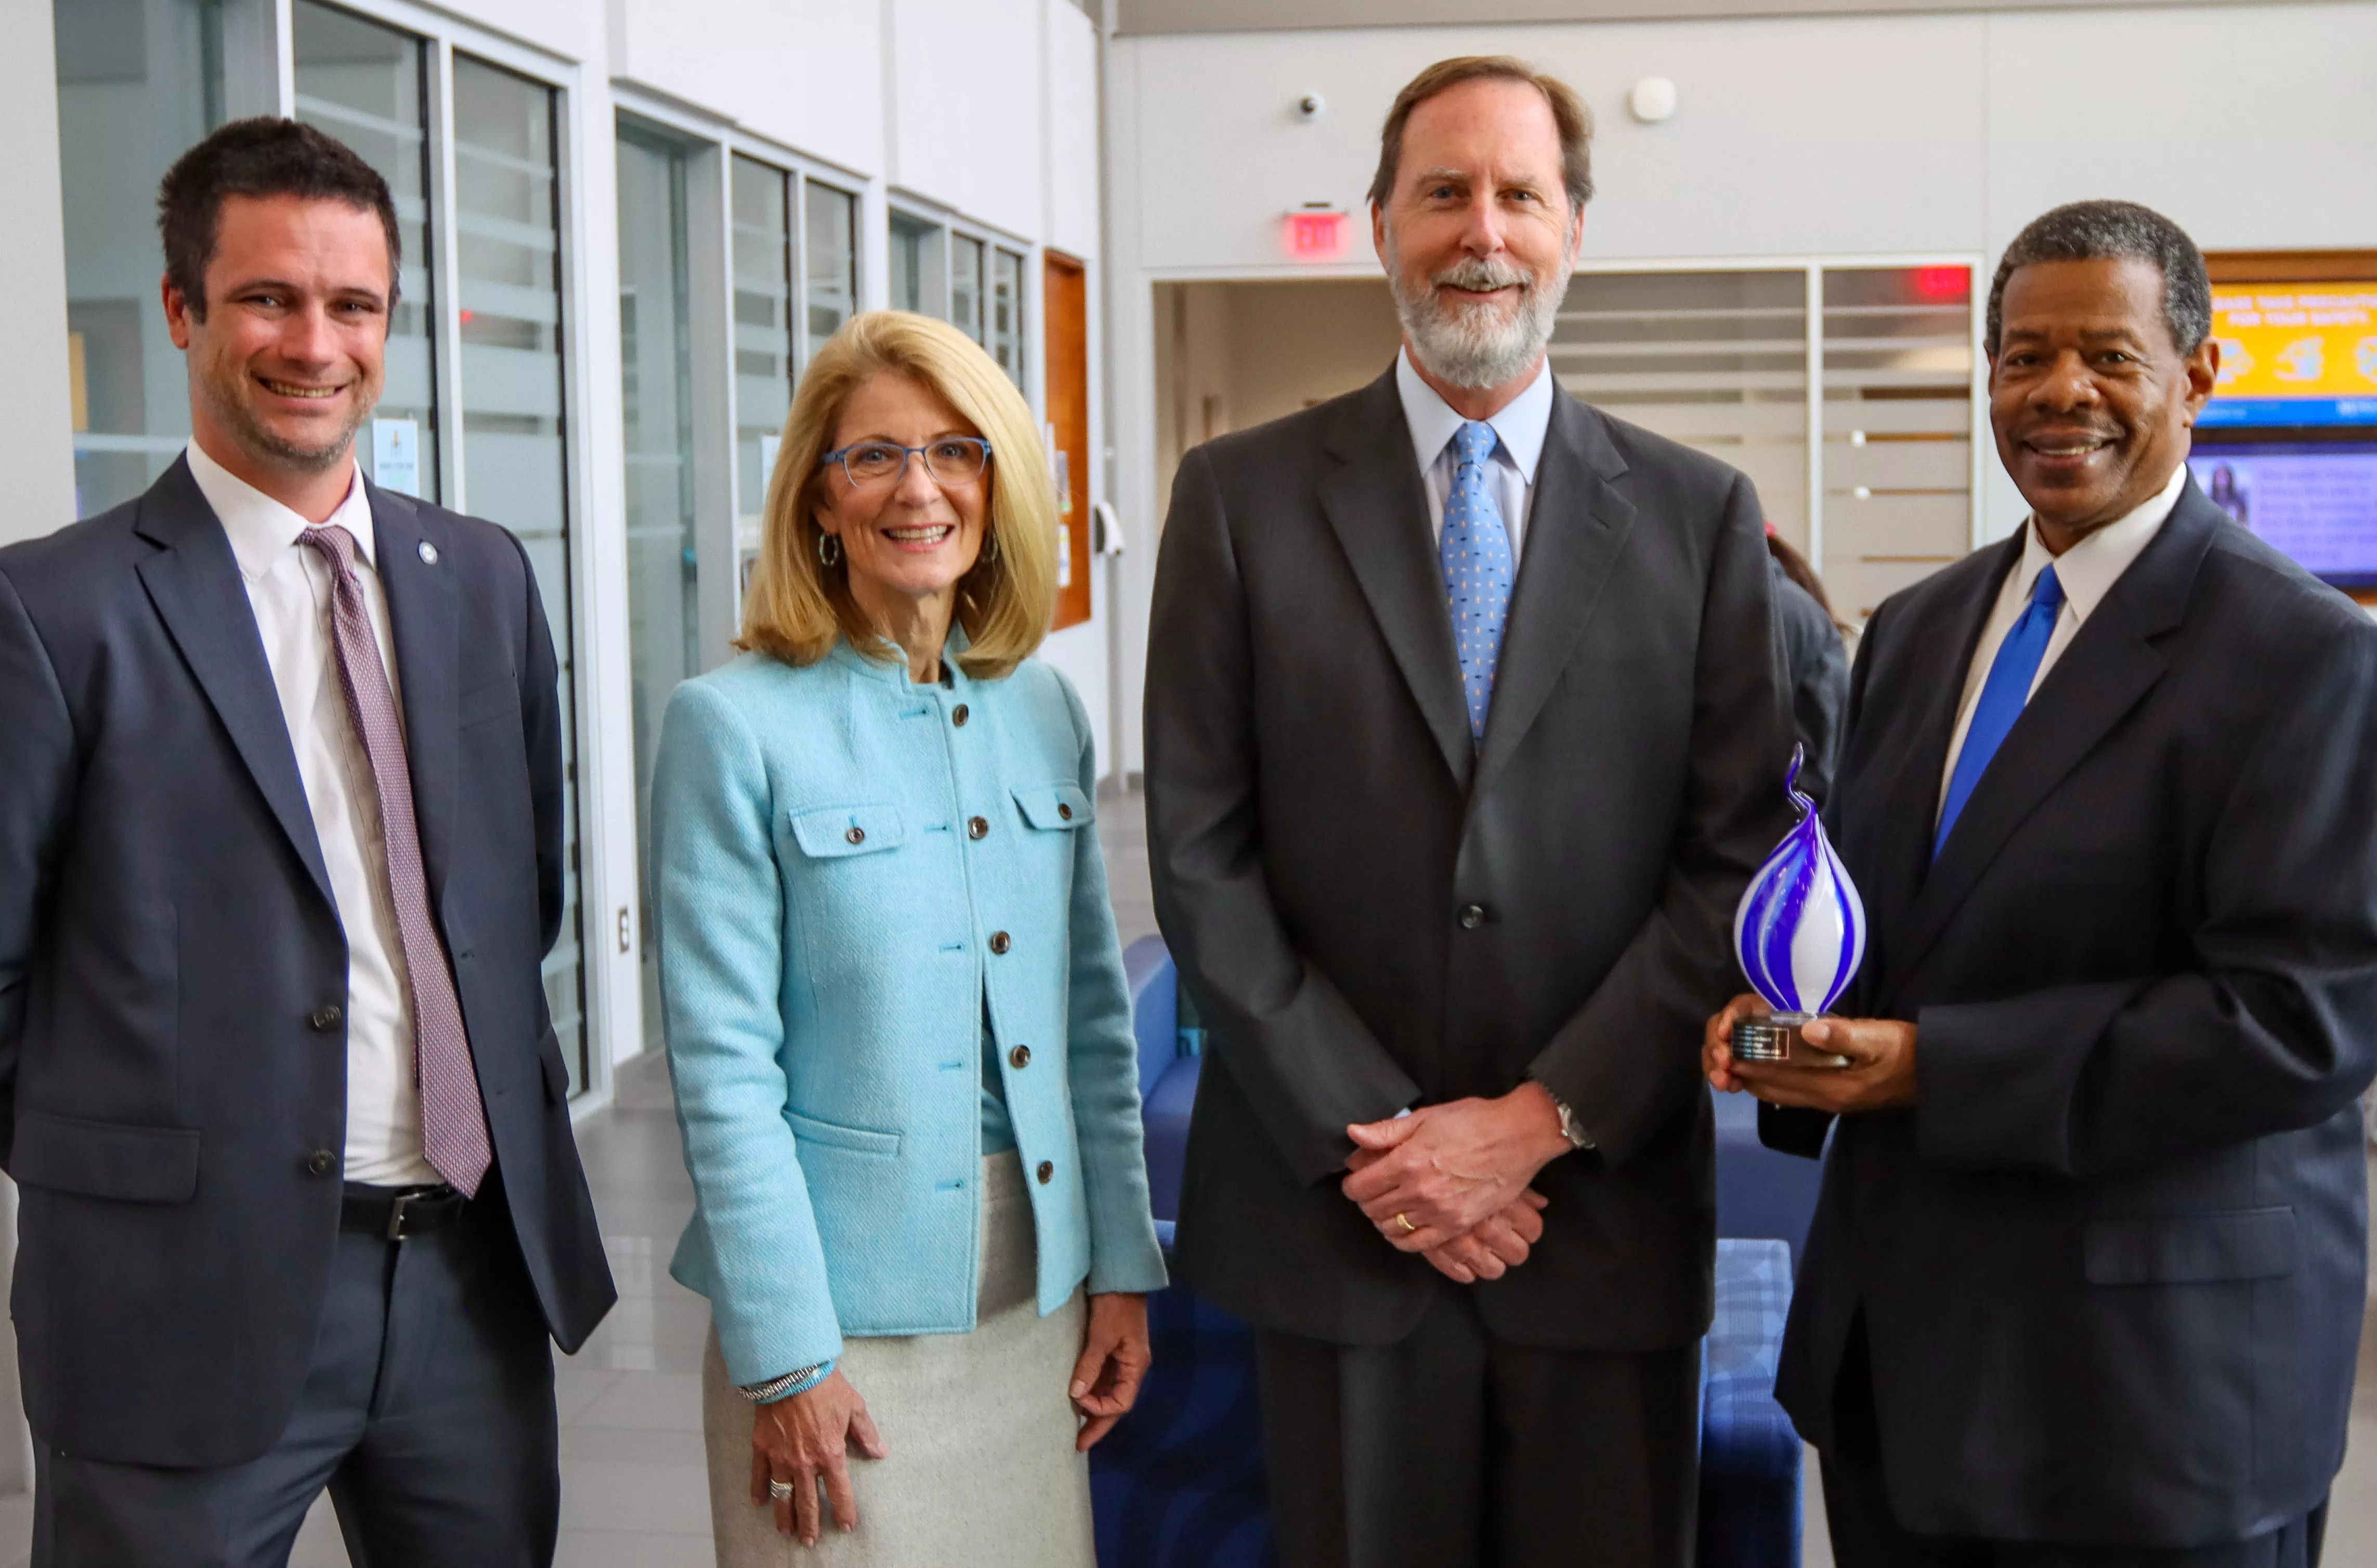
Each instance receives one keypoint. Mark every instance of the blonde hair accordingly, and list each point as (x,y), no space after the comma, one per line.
(797,608)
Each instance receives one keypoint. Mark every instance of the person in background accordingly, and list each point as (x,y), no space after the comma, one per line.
(2084,1285)
(894,997)
(1463,738)
(281,855)
(1815,662)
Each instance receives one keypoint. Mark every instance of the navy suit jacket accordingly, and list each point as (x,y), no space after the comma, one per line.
(2110,1263)
(167,938)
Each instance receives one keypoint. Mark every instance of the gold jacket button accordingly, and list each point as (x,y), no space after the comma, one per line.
(1020,1057)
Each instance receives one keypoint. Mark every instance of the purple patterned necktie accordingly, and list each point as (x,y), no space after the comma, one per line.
(453,1124)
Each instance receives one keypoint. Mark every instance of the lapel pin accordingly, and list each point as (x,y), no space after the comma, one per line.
(428,554)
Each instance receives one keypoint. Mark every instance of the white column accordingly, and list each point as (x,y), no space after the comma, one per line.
(36,395)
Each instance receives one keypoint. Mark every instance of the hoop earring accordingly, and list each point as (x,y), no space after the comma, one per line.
(828,559)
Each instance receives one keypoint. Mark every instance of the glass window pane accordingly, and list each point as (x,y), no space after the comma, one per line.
(656,356)
(1898,428)
(763,324)
(1715,359)
(1007,314)
(515,454)
(919,275)
(363,84)
(138,81)
(830,263)
(966,286)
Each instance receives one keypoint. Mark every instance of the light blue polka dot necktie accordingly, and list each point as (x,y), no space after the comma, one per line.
(1474,554)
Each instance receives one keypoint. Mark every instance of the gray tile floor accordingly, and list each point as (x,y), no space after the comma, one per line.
(633,1492)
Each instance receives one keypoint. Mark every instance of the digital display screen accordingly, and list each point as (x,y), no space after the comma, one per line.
(2316,503)
(2294,355)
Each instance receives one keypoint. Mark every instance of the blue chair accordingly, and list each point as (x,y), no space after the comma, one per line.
(1180,1482)
(1750,1452)
(1760,1194)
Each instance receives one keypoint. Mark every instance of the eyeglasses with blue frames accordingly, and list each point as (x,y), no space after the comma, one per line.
(952,460)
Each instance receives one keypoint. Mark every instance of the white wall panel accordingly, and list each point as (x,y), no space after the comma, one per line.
(1072,131)
(2251,126)
(1793,136)
(967,107)
(806,72)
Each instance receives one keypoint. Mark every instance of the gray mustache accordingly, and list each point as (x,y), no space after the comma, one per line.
(1482,275)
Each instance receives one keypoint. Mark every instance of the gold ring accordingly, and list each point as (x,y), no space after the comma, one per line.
(1404,1220)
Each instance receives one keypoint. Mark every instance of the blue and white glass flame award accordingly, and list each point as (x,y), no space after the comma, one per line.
(1800,934)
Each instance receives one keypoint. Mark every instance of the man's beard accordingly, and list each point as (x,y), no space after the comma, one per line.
(1477,345)
(233,414)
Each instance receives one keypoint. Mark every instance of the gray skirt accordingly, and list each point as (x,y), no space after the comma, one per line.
(982,1468)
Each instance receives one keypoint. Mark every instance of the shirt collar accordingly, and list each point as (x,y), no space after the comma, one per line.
(1520,426)
(261,529)
(2088,571)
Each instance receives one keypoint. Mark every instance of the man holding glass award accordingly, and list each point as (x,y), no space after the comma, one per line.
(2086,1282)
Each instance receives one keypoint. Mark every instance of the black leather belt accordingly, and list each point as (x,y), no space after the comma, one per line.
(399,1213)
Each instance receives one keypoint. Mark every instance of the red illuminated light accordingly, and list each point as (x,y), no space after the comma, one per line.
(1315,236)
(1943,282)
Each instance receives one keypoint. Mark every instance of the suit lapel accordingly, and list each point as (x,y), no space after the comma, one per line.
(423,606)
(1574,532)
(1375,504)
(2108,668)
(1906,799)
(194,581)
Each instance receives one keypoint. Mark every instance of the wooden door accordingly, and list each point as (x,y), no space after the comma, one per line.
(1066,301)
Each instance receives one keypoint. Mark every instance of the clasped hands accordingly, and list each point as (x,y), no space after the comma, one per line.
(1451,1182)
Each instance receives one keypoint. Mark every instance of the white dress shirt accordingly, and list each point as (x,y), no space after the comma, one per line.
(1520,429)
(289,589)
(2086,572)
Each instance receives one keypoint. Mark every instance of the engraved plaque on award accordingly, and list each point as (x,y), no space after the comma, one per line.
(1799,935)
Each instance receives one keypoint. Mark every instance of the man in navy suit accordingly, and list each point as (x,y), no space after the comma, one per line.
(280,853)
(2086,1282)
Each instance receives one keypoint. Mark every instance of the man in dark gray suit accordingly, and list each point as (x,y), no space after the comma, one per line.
(280,852)
(2086,1282)
(1463,738)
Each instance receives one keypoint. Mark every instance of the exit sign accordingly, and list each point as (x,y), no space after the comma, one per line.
(1315,233)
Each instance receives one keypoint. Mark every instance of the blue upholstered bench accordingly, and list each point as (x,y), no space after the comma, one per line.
(1180,1484)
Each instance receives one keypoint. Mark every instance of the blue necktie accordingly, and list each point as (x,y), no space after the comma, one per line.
(2002,696)
(1475,556)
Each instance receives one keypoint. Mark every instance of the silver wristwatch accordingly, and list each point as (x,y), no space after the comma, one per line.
(1568,1128)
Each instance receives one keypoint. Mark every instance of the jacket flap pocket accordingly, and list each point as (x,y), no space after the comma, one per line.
(827,832)
(106,1159)
(2192,1249)
(857,1140)
(497,701)
(1056,806)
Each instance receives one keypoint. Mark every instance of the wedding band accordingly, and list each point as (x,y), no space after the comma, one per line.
(1404,1220)
(780,1489)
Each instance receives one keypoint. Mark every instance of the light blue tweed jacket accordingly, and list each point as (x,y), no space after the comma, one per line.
(846,867)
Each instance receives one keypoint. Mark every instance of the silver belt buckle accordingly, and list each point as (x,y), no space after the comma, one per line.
(396,1216)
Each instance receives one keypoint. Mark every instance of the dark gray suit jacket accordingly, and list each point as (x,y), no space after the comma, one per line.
(2110,1263)
(167,935)
(1320,823)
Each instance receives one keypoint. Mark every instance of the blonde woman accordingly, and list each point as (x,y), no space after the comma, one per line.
(894,998)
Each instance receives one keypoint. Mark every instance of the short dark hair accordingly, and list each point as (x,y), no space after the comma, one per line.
(1568,112)
(265,156)
(2108,230)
